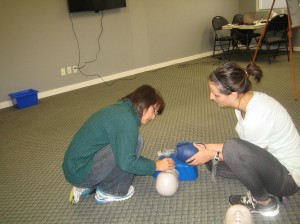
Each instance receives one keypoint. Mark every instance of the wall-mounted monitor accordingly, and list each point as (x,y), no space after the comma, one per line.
(94,5)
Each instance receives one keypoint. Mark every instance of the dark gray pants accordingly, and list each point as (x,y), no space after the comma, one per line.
(257,169)
(106,173)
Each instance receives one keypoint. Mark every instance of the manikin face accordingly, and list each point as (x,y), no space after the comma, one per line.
(149,114)
(221,99)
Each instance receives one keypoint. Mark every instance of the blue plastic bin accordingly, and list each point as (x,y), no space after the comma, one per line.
(186,172)
(25,98)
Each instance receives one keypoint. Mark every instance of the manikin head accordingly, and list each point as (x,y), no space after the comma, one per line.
(167,182)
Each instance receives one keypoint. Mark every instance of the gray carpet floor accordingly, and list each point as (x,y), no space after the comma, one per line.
(33,142)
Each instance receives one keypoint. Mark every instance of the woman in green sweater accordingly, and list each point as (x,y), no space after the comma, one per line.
(105,153)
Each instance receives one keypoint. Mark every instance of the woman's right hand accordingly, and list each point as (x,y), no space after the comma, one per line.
(165,164)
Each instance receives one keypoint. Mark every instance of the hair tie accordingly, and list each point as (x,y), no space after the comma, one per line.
(246,72)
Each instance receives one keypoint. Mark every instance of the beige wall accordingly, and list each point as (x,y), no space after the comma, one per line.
(37,39)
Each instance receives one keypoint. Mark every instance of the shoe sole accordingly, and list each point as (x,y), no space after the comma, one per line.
(267,214)
(105,199)
(105,195)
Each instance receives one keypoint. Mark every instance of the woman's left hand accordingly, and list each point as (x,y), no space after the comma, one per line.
(202,156)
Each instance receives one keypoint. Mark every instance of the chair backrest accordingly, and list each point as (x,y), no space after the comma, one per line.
(278,23)
(218,22)
(238,19)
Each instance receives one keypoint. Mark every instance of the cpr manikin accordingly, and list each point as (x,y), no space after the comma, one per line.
(167,182)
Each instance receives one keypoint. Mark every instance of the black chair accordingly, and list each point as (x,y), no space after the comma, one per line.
(249,18)
(223,39)
(238,19)
(276,35)
(241,36)
(256,36)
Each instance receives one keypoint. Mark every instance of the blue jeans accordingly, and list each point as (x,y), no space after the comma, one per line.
(257,169)
(106,173)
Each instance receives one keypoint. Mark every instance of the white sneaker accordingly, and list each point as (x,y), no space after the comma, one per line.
(77,193)
(102,197)
(238,214)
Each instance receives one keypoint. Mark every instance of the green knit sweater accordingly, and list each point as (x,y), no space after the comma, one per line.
(117,125)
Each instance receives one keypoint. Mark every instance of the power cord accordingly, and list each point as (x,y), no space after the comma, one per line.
(96,56)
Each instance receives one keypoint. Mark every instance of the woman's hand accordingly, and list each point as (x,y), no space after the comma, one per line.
(165,164)
(201,157)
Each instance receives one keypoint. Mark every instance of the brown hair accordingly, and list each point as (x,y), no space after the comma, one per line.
(144,97)
(233,78)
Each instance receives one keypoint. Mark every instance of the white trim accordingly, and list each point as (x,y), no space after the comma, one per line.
(6,104)
(296,48)
(64,89)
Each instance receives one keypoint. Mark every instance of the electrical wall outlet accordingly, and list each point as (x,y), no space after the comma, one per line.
(63,71)
(75,69)
(69,69)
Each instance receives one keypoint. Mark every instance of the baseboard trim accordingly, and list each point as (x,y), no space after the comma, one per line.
(120,75)
(68,88)
(296,48)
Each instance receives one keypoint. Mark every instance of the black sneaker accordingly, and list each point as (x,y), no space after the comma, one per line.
(271,209)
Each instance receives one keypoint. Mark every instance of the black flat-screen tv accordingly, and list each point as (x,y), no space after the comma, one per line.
(94,5)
